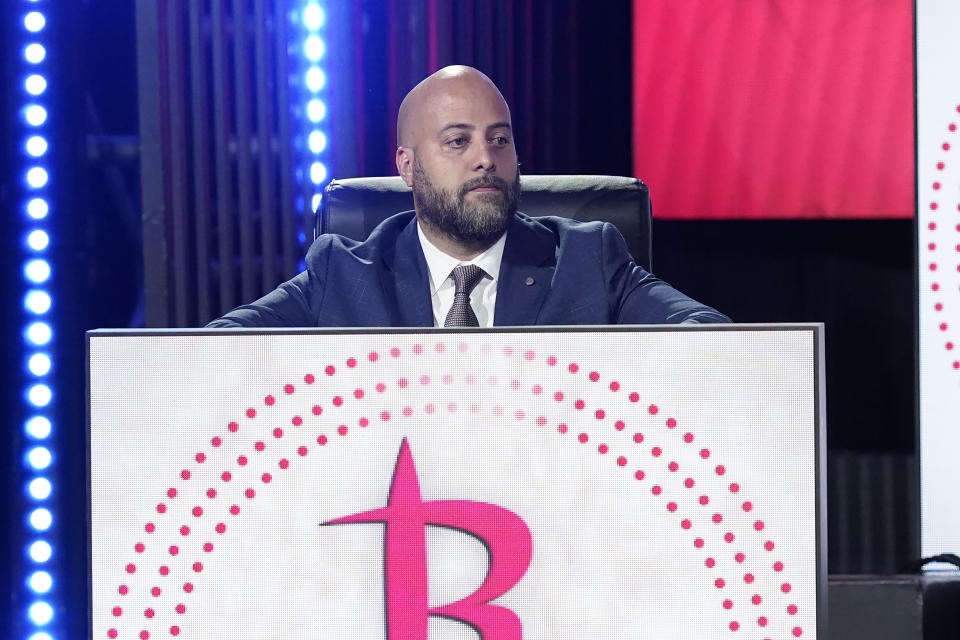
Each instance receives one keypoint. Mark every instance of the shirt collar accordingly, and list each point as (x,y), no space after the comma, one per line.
(440,264)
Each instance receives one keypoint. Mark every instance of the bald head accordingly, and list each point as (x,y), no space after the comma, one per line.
(437,94)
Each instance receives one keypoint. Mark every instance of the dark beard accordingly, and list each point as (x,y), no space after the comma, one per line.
(475,225)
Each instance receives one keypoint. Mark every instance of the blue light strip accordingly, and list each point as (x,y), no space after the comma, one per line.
(37,331)
(313,47)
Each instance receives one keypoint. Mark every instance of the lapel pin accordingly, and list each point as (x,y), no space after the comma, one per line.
(529,281)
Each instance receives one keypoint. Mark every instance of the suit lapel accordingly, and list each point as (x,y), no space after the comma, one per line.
(405,280)
(529,260)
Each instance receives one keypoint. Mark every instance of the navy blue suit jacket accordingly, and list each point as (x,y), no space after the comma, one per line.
(555,271)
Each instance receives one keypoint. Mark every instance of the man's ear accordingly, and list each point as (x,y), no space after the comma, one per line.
(405,165)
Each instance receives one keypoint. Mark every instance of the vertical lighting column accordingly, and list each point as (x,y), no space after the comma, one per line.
(314,80)
(34,152)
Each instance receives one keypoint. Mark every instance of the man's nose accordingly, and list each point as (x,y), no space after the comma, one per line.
(484,160)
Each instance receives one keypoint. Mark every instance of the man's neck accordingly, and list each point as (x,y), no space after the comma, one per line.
(453,247)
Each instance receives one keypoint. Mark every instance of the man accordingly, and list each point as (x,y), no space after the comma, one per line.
(465,256)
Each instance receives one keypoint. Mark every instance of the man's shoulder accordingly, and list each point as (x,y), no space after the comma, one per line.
(382,239)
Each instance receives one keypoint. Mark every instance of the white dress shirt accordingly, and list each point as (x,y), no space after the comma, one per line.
(483,299)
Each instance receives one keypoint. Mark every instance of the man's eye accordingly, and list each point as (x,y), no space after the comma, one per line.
(458,142)
(500,141)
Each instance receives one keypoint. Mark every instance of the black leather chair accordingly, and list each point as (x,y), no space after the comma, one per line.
(353,207)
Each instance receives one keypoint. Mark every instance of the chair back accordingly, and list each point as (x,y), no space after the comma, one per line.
(354,206)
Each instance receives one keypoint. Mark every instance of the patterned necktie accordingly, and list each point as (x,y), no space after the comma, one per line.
(465,278)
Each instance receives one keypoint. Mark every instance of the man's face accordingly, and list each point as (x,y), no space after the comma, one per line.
(464,171)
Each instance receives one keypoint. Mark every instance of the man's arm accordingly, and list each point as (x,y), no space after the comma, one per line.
(286,306)
(641,297)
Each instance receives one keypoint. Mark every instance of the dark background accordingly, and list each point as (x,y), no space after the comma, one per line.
(569,86)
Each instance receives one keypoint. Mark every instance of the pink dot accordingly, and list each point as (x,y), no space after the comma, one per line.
(418,349)
(768,545)
(266,478)
(363,422)
(685,524)
(407,411)
(562,428)
(614,386)
(688,438)
(671,423)
(594,376)
(216,441)
(161,508)
(429,408)
(208,547)
(940,166)
(778,566)
(201,457)
(600,414)
(424,380)
(673,466)
(197,567)
(720,583)
(384,416)
(704,453)
(537,389)
(171,493)
(395,352)
(233,426)
(797,632)
(936,185)
(583,438)
(296,421)
(785,587)
(278,433)
(720,470)
(762,621)
(226,476)
(251,412)
(717,518)
(656,451)
(288,389)
(372,356)
(351,362)
(551,361)
(574,367)
(144,635)
(933,206)
(317,409)
(748,578)
(117,612)
(250,493)
(943,326)
(185,474)
(709,562)
(269,401)
(639,475)
(946,146)
(638,437)
(952,127)
(220,528)
(688,483)
(164,570)
(174,630)
(558,396)
(734,487)
(698,543)
(529,355)
(656,490)
(747,506)
(579,404)
(728,536)
(184,530)
(181,609)
(112,633)
(541,421)
(358,393)
(739,557)
(260,446)
(174,549)
(758,525)
(508,351)
(619,425)
(330,370)
(149,613)
(653,409)
(756,599)
(342,430)
(603,449)
(734,625)
(728,604)
(792,609)
(337,401)
(634,397)
(704,500)
(124,590)
(309,379)
(671,507)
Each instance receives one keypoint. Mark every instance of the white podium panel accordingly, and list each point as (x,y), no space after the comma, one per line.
(601,483)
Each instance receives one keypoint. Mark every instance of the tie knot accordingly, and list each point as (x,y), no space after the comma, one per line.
(466,277)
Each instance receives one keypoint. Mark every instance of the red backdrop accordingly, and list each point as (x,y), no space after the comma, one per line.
(774,108)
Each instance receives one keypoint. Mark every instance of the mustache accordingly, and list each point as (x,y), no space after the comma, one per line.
(484,181)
